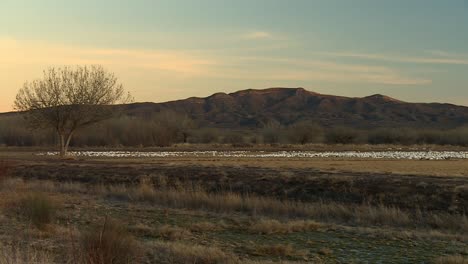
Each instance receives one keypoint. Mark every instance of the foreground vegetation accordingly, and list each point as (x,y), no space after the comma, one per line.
(155,221)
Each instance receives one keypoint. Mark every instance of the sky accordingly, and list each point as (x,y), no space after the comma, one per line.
(413,50)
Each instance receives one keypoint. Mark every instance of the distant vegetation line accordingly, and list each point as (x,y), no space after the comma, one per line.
(168,128)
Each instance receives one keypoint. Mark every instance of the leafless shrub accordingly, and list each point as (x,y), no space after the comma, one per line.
(304,133)
(341,135)
(109,244)
(38,208)
(4,171)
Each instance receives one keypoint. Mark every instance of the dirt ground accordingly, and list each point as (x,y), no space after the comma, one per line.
(410,185)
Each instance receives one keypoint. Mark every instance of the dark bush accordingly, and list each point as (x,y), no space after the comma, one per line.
(38,208)
(304,133)
(233,138)
(393,136)
(341,136)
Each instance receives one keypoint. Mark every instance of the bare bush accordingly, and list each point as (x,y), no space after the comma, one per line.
(109,244)
(39,209)
(304,133)
(341,136)
(4,171)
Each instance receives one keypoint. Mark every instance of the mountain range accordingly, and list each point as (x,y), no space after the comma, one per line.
(286,106)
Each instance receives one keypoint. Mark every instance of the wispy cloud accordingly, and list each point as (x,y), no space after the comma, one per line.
(146,70)
(258,35)
(15,52)
(287,69)
(397,58)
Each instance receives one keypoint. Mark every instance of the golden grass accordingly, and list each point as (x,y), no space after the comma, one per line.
(204,226)
(279,250)
(269,227)
(16,254)
(196,198)
(173,232)
(455,259)
(179,253)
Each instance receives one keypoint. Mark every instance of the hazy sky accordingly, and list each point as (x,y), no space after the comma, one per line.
(415,50)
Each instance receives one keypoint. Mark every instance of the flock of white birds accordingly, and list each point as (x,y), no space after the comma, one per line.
(409,155)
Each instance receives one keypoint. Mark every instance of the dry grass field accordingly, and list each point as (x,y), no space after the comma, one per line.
(231,210)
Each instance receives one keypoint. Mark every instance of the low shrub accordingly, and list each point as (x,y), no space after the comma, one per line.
(341,136)
(4,171)
(109,244)
(38,208)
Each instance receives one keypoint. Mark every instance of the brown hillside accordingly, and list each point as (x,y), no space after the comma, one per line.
(256,108)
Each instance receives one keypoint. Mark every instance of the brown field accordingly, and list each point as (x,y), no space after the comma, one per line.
(226,210)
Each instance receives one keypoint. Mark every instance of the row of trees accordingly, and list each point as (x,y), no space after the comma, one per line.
(168,128)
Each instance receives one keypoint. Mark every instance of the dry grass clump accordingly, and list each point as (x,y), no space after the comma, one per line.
(194,197)
(275,227)
(173,232)
(325,251)
(279,250)
(178,253)
(455,259)
(206,227)
(117,192)
(39,209)
(141,229)
(60,187)
(458,223)
(109,244)
(381,215)
(4,172)
(15,254)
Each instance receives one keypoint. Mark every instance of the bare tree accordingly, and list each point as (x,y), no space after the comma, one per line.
(69,98)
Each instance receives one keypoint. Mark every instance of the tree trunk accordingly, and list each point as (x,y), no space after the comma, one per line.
(63,151)
(67,143)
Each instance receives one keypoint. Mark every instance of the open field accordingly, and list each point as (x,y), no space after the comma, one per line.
(225,209)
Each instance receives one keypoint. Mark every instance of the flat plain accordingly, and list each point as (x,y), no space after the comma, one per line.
(205,209)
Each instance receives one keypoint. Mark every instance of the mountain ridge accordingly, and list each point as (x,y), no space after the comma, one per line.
(277,106)
(253,108)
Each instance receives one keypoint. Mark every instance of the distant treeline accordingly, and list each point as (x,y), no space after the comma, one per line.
(166,129)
